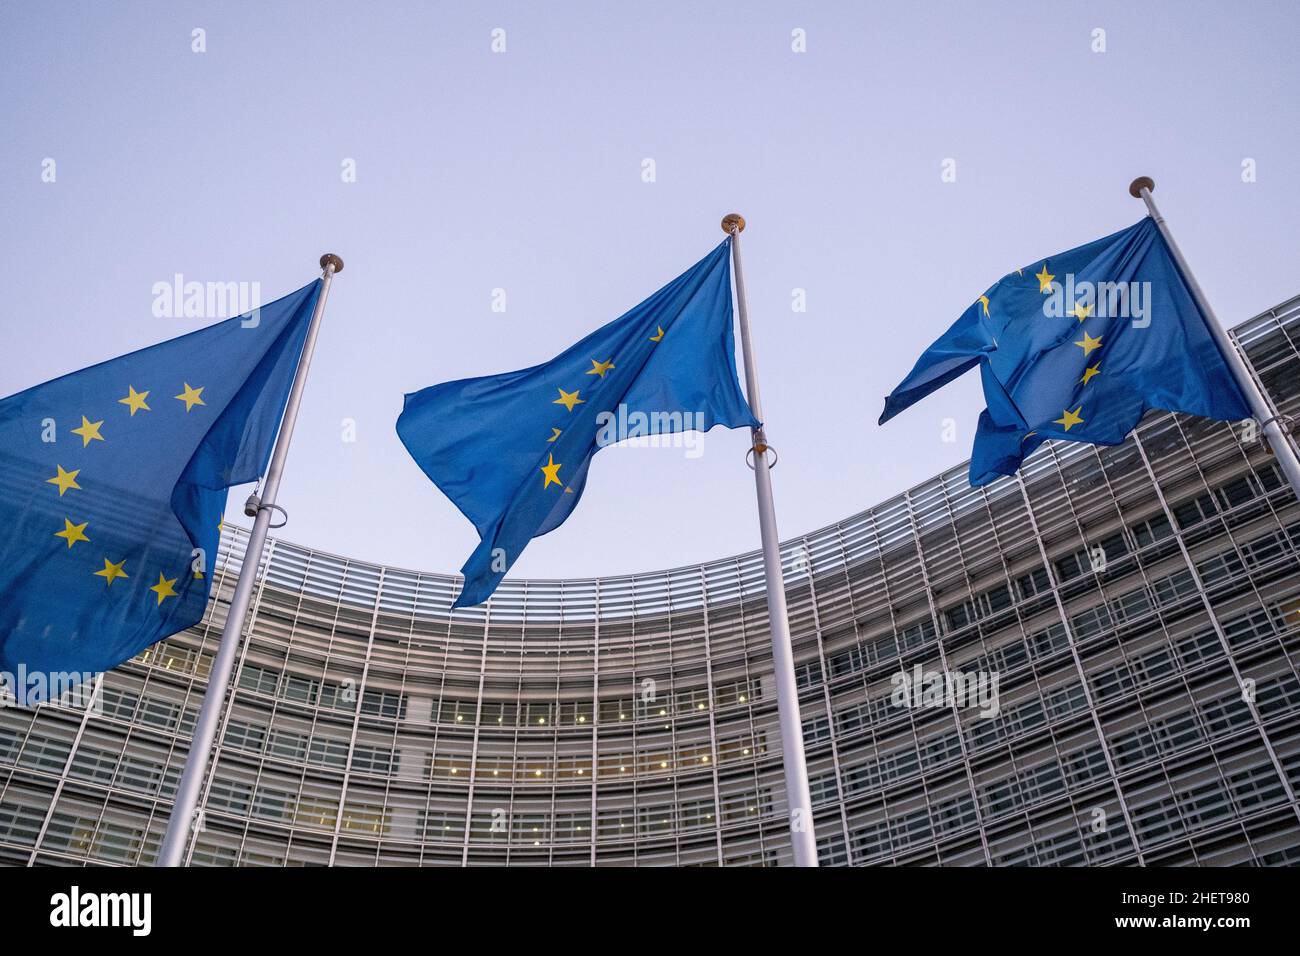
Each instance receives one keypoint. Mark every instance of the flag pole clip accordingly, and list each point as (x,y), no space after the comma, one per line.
(254,505)
(1283,422)
(761,447)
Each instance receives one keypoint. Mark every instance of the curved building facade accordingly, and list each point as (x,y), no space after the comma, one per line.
(1138,606)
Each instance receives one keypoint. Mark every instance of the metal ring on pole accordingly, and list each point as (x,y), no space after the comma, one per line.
(766,448)
(1283,422)
(279,509)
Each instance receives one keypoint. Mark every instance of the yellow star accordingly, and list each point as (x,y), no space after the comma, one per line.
(1080,311)
(64,479)
(191,396)
(164,588)
(660,336)
(72,533)
(568,399)
(112,571)
(985,300)
(1089,344)
(554,436)
(552,472)
(1090,372)
(89,431)
(1044,278)
(134,400)
(1070,418)
(600,368)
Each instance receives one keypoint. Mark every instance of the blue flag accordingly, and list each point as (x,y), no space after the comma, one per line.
(113,484)
(1078,347)
(512,450)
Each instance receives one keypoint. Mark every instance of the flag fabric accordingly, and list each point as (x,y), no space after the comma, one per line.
(113,485)
(1079,347)
(512,450)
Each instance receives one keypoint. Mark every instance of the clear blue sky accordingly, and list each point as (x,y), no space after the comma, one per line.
(522,170)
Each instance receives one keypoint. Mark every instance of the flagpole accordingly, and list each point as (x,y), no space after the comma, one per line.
(798,798)
(205,731)
(1272,423)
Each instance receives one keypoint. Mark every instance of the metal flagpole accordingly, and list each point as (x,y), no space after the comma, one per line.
(1272,423)
(802,837)
(205,731)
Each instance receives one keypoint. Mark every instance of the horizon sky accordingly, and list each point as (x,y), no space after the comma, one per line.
(524,171)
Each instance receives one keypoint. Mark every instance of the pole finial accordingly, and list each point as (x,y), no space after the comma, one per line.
(1135,187)
(733,222)
(330,259)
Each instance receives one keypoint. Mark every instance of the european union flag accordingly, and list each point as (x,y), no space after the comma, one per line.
(113,483)
(1078,347)
(512,450)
